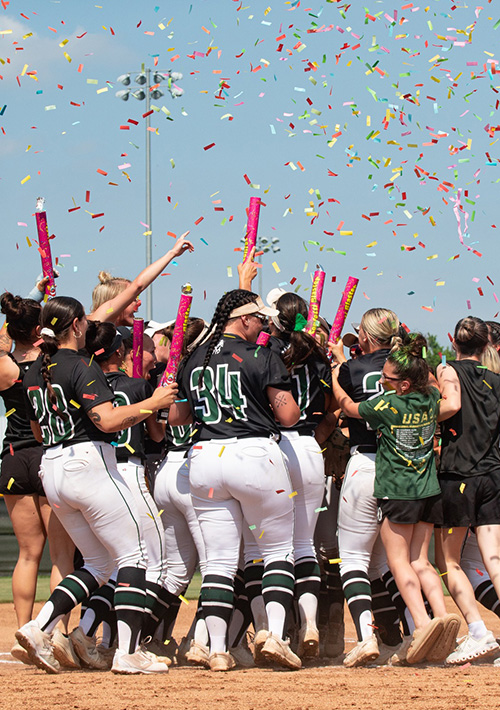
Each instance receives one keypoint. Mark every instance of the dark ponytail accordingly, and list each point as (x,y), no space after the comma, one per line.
(22,314)
(409,362)
(99,337)
(228,302)
(57,318)
(292,319)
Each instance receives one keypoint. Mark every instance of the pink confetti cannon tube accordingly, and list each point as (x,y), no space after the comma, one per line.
(137,347)
(252,227)
(44,247)
(315,301)
(178,336)
(343,309)
(263,338)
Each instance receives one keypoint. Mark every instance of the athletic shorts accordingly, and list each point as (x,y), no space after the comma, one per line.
(470,501)
(411,512)
(19,474)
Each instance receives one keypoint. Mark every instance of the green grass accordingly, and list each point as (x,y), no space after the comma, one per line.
(43,590)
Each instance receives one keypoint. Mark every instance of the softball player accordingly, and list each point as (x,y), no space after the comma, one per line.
(238,480)
(311,380)
(106,340)
(469,475)
(32,518)
(359,542)
(70,405)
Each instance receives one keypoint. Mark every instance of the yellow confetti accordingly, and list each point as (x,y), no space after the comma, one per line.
(145,411)
(255,562)
(221,451)
(260,536)
(292,494)
(183,599)
(462,487)
(75,404)
(127,446)
(10,483)
(28,177)
(53,321)
(67,57)
(487,385)
(11,411)
(335,561)
(276,267)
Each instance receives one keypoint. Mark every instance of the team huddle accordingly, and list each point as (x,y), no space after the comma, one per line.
(293,478)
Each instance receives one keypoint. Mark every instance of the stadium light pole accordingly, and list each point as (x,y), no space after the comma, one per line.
(263,244)
(145,91)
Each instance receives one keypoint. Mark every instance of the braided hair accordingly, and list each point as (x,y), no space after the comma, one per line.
(301,345)
(409,363)
(57,316)
(228,302)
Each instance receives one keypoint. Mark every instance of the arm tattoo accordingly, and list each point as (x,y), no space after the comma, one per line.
(280,400)
(94,417)
(128,422)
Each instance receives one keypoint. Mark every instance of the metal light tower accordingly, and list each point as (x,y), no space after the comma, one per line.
(265,245)
(145,91)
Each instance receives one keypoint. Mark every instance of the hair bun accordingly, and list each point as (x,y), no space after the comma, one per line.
(11,306)
(104,276)
(416,345)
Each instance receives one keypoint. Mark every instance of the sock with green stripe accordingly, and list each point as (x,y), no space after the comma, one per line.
(73,590)
(217,600)
(277,589)
(358,594)
(130,601)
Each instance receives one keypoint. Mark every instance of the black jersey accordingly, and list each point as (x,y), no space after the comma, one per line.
(18,434)
(310,383)
(360,378)
(180,438)
(79,385)
(232,400)
(129,390)
(470,437)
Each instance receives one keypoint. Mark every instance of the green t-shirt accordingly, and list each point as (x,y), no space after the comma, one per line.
(404,468)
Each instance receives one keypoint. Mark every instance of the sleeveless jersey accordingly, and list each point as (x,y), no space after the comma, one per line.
(18,433)
(470,437)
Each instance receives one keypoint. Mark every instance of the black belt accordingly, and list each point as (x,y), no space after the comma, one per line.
(366,449)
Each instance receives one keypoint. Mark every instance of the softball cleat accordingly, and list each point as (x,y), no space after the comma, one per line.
(37,644)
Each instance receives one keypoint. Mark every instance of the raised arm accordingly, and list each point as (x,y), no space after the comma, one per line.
(247,271)
(110,310)
(451,394)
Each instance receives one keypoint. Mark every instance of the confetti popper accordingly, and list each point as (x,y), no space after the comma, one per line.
(44,246)
(252,227)
(315,300)
(343,309)
(263,338)
(138,347)
(174,359)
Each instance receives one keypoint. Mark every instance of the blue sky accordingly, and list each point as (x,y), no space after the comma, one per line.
(356,128)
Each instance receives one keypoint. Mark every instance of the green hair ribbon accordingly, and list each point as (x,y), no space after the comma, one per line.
(300,322)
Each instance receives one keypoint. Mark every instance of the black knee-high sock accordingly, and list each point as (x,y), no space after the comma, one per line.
(278,584)
(101,602)
(397,600)
(242,605)
(72,590)
(253,583)
(385,614)
(163,602)
(130,601)
(217,596)
(357,592)
(307,577)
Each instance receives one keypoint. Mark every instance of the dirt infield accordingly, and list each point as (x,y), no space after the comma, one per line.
(314,687)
